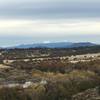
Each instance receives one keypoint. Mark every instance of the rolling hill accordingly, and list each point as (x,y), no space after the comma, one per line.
(56,45)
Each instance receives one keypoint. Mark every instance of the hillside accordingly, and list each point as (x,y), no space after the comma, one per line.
(56,45)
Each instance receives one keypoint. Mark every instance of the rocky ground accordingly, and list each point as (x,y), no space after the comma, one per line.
(90,94)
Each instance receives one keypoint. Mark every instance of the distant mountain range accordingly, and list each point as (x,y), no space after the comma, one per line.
(55,45)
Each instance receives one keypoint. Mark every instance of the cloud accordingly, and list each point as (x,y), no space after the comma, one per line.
(49,27)
(45,20)
(50,9)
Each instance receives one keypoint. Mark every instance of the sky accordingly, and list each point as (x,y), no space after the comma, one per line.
(35,21)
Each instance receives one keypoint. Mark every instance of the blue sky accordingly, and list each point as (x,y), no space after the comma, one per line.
(31,21)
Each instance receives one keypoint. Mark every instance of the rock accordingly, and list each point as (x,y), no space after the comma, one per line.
(90,94)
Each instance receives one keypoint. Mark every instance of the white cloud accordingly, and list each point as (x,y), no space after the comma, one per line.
(49,27)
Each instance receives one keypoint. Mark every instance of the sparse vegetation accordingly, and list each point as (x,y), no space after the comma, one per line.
(48,74)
